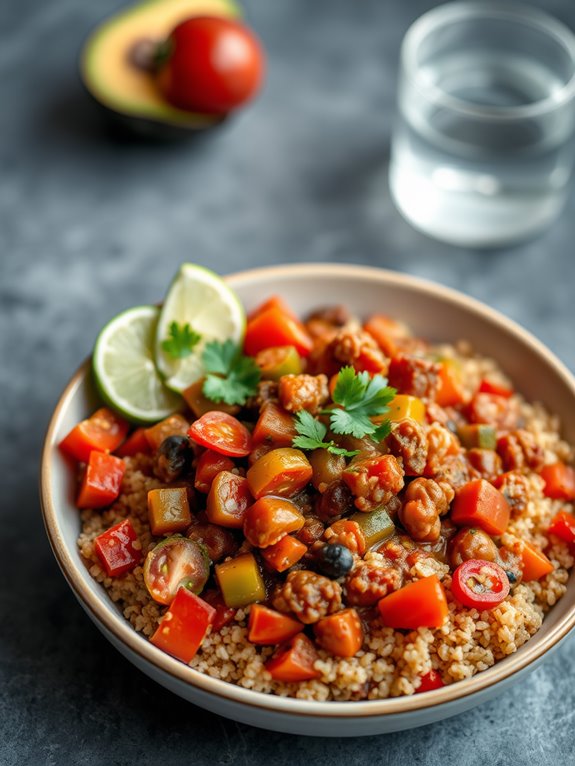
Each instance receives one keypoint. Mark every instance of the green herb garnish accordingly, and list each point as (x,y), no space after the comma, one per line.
(360,397)
(312,433)
(181,340)
(231,377)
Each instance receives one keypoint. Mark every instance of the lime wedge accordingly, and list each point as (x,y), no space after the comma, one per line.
(202,299)
(124,369)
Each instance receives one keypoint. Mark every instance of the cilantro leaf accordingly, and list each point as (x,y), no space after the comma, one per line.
(360,398)
(311,434)
(181,340)
(231,377)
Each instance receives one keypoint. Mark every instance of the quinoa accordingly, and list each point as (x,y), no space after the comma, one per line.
(391,662)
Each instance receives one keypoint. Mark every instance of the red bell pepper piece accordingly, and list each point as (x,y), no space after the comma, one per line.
(137,443)
(210,464)
(489,387)
(274,327)
(294,661)
(419,604)
(266,626)
(430,681)
(184,626)
(103,431)
(102,480)
(224,613)
(118,548)
(563,526)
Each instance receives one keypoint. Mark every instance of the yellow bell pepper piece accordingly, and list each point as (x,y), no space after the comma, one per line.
(168,510)
(240,581)
(404,406)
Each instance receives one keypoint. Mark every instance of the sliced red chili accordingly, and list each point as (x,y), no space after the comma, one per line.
(479,584)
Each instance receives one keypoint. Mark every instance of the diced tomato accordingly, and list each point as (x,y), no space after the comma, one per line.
(118,548)
(419,604)
(275,427)
(102,480)
(479,504)
(559,481)
(534,563)
(224,614)
(430,681)
(450,390)
(228,500)
(210,463)
(135,444)
(284,554)
(479,584)
(184,626)
(273,327)
(266,626)
(489,387)
(294,661)
(563,526)
(104,431)
(340,634)
(222,433)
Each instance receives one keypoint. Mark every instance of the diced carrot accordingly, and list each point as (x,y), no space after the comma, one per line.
(563,526)
(210,464)
(266,626)
(386,332)
(490,387)
(183,627)
(479,504)
(269,519)
(284,554)
(294,661)
(340,634)
(174,425)
(135,444)
(275,427)
(282,471)
(103,431)
(419,604)
(102,480)
(450,391)
(559,481)
(534,563)
(273,327)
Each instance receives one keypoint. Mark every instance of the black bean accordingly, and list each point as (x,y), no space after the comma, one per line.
(173,458)
(333,560)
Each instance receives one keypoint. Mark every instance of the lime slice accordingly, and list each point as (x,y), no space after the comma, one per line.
(202,299)
(123,364)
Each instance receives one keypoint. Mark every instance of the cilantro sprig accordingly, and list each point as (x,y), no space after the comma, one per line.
(311,435)
(231,377)
(181,340)
(360,397)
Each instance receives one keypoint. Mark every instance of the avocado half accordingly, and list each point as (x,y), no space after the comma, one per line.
(111,74)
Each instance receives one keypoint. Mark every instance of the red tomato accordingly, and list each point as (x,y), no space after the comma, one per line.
(222,433)
(209,465)
(135,444)
(430,681)
(224,614)
(103,431)
(116,550)
(479,584)
(102,480)
(213,65)
(184,626)
(489,387)
(174,563)
(563,526)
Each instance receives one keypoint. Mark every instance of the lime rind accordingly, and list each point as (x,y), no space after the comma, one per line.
(202,299)
(124,369)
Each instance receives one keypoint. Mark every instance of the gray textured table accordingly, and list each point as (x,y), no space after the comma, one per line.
(90,224)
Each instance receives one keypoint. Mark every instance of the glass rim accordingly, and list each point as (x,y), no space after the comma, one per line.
(450,12)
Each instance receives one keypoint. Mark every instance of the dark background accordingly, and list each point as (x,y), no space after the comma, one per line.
(90,225)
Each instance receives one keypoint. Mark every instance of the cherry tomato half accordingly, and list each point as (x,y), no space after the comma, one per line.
(175,562)
(222,433)
(213,65)
(479,584)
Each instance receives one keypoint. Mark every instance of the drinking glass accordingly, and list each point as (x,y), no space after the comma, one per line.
(482,151)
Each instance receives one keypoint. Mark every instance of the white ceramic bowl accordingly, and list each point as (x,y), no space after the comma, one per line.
(435,313)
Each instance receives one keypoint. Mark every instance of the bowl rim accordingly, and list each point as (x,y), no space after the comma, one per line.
(123,632)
